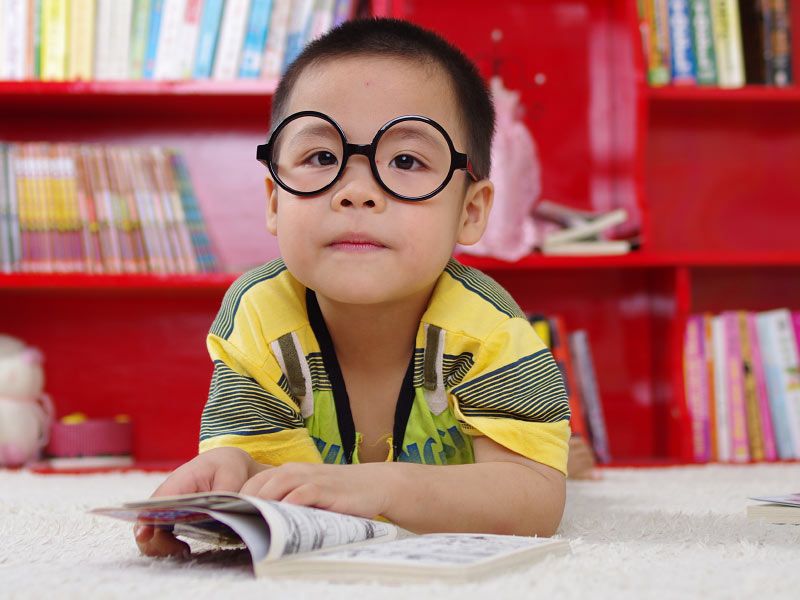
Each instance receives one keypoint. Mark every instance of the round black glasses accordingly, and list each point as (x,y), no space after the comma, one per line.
(411,157)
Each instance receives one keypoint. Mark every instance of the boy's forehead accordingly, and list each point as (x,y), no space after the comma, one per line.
(363,93)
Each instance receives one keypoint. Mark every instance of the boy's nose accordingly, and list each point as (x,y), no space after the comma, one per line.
(358,188)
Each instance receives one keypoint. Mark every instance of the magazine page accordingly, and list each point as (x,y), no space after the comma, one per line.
(441,549)
(786,500)
(295,529)
(268,528)
(454,557)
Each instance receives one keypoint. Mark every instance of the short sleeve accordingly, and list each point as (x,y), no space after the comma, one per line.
(515,395)
(248,408)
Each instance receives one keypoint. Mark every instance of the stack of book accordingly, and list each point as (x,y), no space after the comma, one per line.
(742,379)
(99,209)
(725,43)
(57,40)
(573,355)
(568,231)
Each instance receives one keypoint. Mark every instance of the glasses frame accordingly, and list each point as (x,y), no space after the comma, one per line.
(458,160)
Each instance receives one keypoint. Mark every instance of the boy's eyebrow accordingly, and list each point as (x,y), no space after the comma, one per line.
(315,129)
(406,132)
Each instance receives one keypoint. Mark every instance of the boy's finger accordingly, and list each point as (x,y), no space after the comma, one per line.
(163,543)
(142,533)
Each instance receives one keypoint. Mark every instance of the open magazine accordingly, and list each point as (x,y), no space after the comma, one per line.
(779,509)
(286,539)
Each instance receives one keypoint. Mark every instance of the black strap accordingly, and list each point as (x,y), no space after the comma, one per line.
(344,417)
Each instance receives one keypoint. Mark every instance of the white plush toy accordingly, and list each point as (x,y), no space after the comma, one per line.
(25,411)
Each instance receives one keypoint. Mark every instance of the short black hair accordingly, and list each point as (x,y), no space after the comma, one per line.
(401,39)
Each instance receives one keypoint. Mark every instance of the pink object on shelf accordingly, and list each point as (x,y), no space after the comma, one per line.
(93,437)
(516,174)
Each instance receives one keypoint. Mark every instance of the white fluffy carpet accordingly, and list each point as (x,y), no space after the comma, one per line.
(637,533)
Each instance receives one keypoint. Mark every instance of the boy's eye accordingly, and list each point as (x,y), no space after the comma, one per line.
(323,158)
(406,162)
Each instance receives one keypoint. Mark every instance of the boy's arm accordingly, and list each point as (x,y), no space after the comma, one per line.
(502,492)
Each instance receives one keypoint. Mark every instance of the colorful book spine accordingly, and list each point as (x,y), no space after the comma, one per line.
(721,393)
(183,240)
(696,384)
(103,41)
(773,328)
(272,64)
(207,40)
(296,34)
(702,30)
(590,393)
(54,40)
(5,236)
(14,40)
(765,416)
(156,10)
(201,243)
(189,35)
(255,39)
(781,65)
(90,237)
(36,36)
(751,17)
(80,59)
(737,406)
(231,39)
(755,429)
(140,25)
(169,40)
(708,352)
(559,347)
(152,239)
(683,69)
(728,43)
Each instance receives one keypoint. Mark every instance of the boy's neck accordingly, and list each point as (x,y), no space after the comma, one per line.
(378,335)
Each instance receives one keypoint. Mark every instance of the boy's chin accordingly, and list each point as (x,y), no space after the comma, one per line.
(357,293)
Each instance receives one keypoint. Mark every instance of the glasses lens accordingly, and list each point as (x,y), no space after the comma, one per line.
(413,158)
(307,154)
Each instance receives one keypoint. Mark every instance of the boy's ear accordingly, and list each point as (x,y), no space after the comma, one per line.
(475,212)
(272,206)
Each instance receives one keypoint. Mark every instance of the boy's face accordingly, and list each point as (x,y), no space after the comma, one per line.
(355,243)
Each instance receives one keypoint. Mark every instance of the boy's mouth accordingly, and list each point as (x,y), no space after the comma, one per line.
(356,242)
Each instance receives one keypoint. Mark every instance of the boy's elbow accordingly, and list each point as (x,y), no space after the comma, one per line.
(544,504)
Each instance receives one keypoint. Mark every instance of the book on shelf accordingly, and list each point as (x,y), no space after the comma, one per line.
(567,231)
(734,373)
(683,65)
(724,43)
(553,332)
(290,540)
(68,208)
(780,357)
(782,509)
(55,40)
(695,377)
(742,385)
(581,354)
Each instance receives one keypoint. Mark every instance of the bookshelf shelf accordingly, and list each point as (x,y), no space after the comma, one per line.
(212,282)
(175,98)
(747,94)
(219,282)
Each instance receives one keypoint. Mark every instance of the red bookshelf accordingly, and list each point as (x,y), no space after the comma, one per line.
(710,174)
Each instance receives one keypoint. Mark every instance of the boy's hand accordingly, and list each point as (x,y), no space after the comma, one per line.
(359,490)
(221,469)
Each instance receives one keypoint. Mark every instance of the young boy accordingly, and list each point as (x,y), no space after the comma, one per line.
(366,371)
